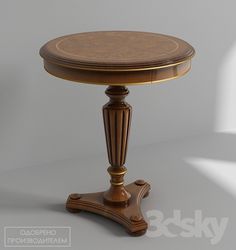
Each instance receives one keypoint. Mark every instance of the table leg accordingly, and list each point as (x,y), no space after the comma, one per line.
(119,203)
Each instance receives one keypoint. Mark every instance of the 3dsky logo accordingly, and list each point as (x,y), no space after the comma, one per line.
(197,226)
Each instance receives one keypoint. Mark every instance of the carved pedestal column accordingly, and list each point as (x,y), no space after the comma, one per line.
(117,117)
(119,203)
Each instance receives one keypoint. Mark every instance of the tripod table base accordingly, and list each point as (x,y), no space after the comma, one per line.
(130,216)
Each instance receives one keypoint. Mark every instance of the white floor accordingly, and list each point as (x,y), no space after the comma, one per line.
(193,174)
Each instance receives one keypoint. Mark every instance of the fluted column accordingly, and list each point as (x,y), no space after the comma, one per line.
(117,117)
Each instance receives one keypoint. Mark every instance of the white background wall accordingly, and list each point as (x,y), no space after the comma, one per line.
(44,119)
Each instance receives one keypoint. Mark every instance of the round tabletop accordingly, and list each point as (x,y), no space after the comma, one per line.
(117,57)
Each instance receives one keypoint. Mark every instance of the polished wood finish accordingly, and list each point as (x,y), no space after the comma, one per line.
(117,117)
(118,78)
(129,216)
(117,59)
(116,50)
(119,203)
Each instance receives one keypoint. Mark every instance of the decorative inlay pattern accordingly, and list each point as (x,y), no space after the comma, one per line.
(127,44)
(116,50)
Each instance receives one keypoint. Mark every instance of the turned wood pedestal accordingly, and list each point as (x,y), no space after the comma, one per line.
(117,59)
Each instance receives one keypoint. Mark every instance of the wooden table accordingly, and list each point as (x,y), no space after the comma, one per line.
(117,59)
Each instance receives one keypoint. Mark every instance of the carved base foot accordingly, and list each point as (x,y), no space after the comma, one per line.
(129,216)
(73,211)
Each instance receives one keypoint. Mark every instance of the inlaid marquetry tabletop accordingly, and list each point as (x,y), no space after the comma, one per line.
(117,57)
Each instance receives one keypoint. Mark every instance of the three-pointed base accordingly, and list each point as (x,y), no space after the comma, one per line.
(129,216)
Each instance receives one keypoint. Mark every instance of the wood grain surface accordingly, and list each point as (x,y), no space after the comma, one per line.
(117,57)
(116,50)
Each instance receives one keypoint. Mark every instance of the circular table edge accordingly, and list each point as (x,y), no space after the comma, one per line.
(49,55)
(119,77)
